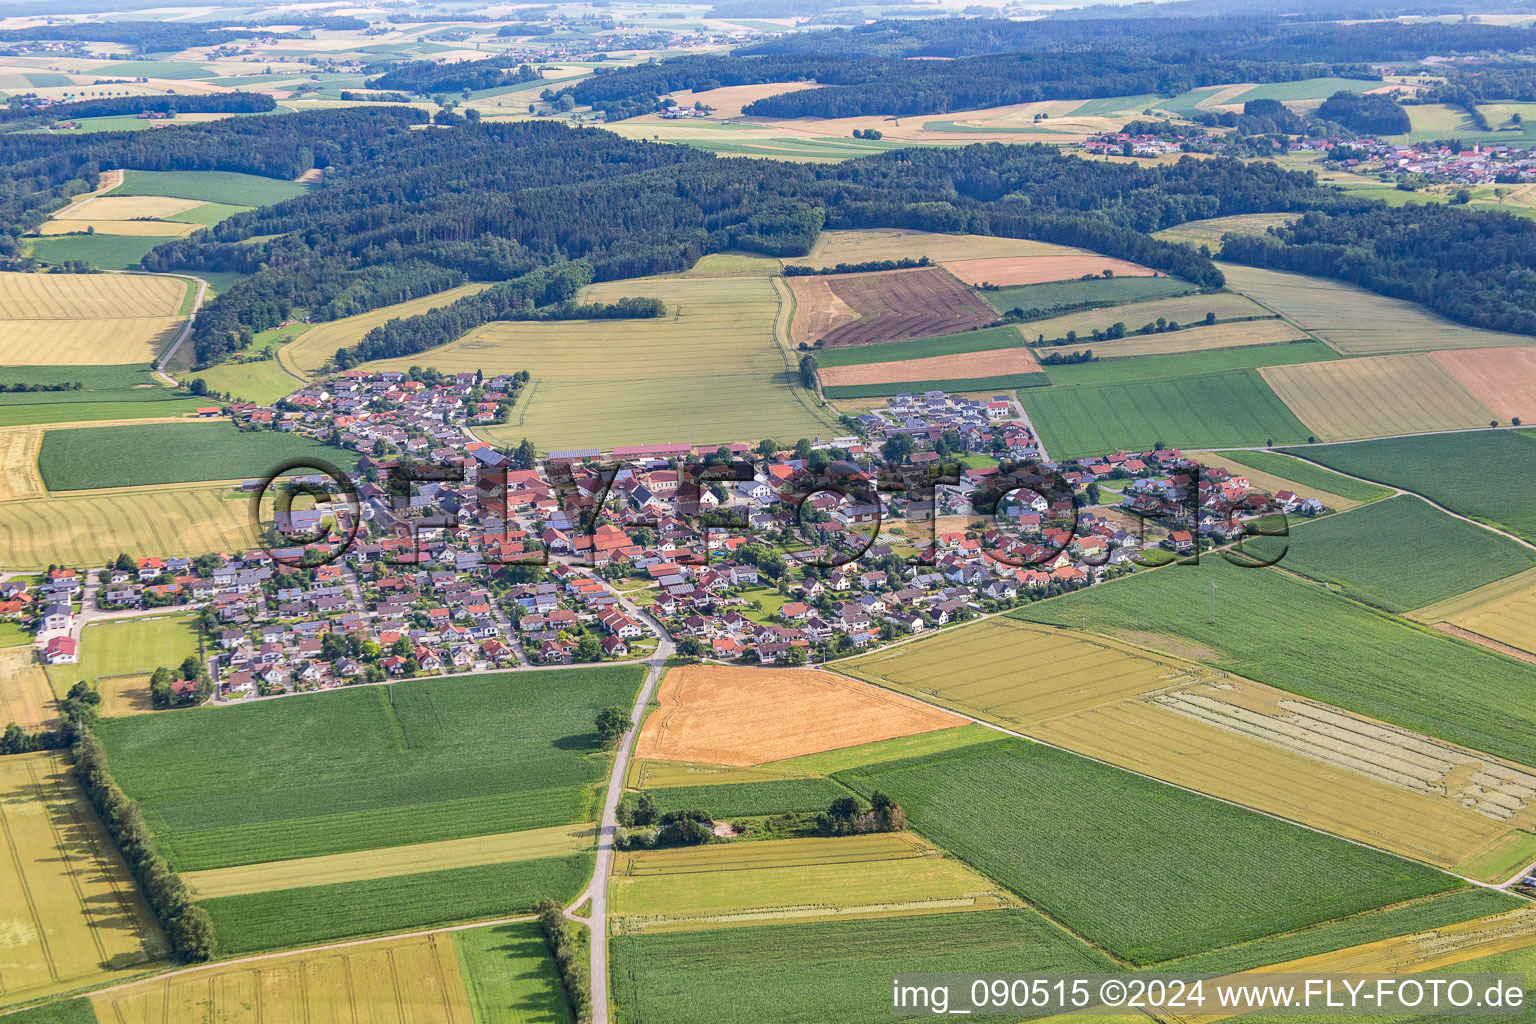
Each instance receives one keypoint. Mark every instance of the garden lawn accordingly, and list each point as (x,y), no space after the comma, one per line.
(1403,553)
(1300,637)
(167,453)
(313,914)
(1149,871)
(511,976)
(1484,474)
(371,767)
(827,971)
(1213,410)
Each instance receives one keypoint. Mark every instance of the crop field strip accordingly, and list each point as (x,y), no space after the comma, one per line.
(1189,859)
(366,865)
(1013,271)
(1065,296)
(1363,553)
(838,970)
(90,527)
(750,799)
(1188,310)
(887,305)
(1376,396)
(863,246)
(511,976)
(306,354)
(88,297)
(1355,321)
(74,916)
(18,464)
(393,981)
(1001,362)
(1213,410)
(743,716)
(709,372)
(1503,379)
(1294,635)
(1482,474)
(1195,337)
(1504,612)
(512,750)
(140,228)
(986,339)
(969,386)
(878,875)
(25,697)
(1108,367)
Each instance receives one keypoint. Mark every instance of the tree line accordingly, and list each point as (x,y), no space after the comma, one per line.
(194,103)
(424,77)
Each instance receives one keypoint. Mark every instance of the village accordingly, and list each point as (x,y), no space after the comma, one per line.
(440,554)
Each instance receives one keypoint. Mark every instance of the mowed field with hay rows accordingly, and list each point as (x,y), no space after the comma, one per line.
(74,914)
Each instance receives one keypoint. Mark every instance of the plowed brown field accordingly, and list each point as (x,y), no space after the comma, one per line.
(895,305)
(743,716)
(994,363)
(1014,270)
(818,312)
(1503,379)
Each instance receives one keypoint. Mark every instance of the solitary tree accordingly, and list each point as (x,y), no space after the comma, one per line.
(612,723)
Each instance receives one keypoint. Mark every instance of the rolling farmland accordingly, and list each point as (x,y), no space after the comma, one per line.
(1210,231)
(889,305)
(89,527)
(1482,474)
(1186,309)
(827,970)
(1013,271)
(1068,295)
(262,381)
(1297,636)
(1090,835)
(744,716)
(717,349)
(1111,366)
(92,458)
(511,976)
(392,981)
(306,354)
(1353,398)
(226,187)
(1200,338)
(1212,410)
(987,339)
(87,319)
(1363,552)
(73,914)
(425,760)
(1504,611)
(891,874)
(1355,321)
(863,246)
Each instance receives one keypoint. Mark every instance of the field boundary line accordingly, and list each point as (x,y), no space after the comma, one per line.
(782,319)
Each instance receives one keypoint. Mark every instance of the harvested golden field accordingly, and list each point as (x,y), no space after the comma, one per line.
(136,228)
(391,981)
(1186,309)
(745,716)
(862,246)
(103,341)
(124,695)
(129,208)
(18,463)
(1503,379)
(1015,270)
(1355,321)
(1241,334)
(70,913)
(25,696)
(1504,611)
(1017,674)
(711,371)
(1344,399)
(88,527)
(305,355)
(88,297)
(661,774)
(388,862)
(818,309)
(1208,232)
(994,363)
(1312,763)
(728,100)
(892,874)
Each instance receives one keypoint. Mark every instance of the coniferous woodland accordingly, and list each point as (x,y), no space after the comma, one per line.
(424,77)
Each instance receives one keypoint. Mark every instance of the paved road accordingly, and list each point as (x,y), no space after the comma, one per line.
(186,328)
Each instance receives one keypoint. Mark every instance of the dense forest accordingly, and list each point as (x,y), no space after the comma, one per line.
(143,36)
(424,77)
(1469,266)
(1366,115)
(21,108)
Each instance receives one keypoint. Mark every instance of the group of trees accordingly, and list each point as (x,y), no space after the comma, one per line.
(198,103)
(905,263)
(565,946)
(193,670)
(424,77)
(1365,114)
(642,826)
(846,818)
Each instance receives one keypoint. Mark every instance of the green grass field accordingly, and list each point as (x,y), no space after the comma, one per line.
(511,976)
(73,1011)
(1419,915)
(228,187)
(109,392)
(985,340)
(1308,475)
(304,916)
(1306,89)
(744,799)
(1402,553)
(1146,870)
(129,647)
(1062,296)
(104,252)
(168,453)
(1213,410)
(1300,637)
(208,214)
(1007,382)
(262,381)
(378,766)
(827,971)
(39,413)
(1186,364)
(1483,474)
